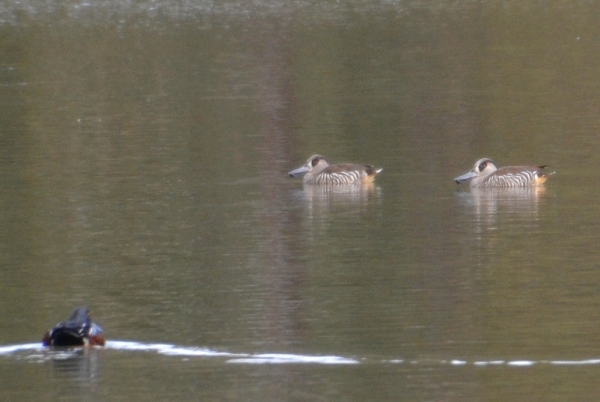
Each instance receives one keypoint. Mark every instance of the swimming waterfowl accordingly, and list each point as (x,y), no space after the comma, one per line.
(78,330)
(485,173)
(317,170)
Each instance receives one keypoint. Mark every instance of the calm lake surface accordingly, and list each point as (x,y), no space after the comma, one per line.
(144,156)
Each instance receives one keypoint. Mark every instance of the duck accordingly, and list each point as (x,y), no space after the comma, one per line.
(485,173)
(78,330)
(317,170)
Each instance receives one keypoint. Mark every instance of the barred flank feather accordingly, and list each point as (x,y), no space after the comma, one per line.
(522,179)
(337,178)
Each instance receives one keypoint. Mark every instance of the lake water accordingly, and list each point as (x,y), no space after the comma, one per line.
(144,156)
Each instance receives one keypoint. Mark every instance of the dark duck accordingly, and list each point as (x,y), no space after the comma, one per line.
(78,330)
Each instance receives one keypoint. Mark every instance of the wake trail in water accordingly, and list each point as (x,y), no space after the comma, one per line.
(33,350)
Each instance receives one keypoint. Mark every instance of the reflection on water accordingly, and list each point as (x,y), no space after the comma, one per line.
(502,222)
(320,199)
(488,204)
(352,193)
(79,364)
(145,173)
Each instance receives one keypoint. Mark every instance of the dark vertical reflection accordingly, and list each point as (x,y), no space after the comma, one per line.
(276,103)
(284,278)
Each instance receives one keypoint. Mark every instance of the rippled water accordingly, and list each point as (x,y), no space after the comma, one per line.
(144,159)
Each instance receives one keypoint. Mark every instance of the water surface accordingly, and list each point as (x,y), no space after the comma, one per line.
(144,156)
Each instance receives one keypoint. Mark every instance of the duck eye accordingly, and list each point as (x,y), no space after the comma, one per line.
(315,162)
(482,166)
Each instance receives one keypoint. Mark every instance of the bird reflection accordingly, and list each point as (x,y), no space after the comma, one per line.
(78,364)
(496,215)
(352,194)
(492,206)
(490,202)
(321,202)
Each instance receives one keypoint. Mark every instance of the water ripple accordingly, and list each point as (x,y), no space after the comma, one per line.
(32,350)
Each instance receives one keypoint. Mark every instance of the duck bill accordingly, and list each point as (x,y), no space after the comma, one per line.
(299,171)
(465,177)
